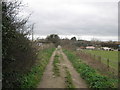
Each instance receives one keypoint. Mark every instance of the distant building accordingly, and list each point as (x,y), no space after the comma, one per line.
(106,48)
(90,47)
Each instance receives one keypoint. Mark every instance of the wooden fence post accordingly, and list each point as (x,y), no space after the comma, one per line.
(108,64)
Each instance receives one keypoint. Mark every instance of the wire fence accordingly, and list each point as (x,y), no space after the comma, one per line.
(110,63)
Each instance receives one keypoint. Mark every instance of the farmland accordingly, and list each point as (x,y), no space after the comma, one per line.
(111,55)
(53,53)
(65,66)
(65,63)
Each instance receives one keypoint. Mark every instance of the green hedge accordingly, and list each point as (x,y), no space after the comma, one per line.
(94,79)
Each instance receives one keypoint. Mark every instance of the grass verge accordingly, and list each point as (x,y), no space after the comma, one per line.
(55,66)
(32,78)
(94,79)
(68,80)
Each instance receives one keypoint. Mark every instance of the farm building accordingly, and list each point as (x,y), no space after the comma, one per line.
(106,48)
(90,47)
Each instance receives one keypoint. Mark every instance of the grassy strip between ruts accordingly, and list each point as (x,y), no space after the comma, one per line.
(55,66)
(94,79)
(68,81)
(31,79)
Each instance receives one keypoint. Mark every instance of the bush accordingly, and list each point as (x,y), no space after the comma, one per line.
(18,54)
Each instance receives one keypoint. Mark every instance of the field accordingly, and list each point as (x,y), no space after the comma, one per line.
(111,55)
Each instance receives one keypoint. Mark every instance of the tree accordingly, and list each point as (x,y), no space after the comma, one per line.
(18,54)
(73,38)
(54,38)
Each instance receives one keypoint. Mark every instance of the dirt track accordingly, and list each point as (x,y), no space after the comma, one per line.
(49,80)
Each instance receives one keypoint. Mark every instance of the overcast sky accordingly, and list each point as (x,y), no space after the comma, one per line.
(67,18)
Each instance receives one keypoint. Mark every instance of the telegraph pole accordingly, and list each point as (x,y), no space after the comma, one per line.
(32,32)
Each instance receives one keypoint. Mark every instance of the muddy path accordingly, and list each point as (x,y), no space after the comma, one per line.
(49,80)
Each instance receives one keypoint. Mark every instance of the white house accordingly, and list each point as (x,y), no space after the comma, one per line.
(106,48)
(90,47)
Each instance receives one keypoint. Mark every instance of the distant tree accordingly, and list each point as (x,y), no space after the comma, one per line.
(68,44)
(54,38)
(109,44)
(73,38)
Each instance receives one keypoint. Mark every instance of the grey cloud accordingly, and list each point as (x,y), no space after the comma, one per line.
(96,18)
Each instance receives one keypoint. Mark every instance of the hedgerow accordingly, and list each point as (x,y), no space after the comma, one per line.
(18,53)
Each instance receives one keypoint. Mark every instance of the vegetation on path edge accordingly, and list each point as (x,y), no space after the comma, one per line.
(68,81)
(94,79)
(31,79)
(55,65)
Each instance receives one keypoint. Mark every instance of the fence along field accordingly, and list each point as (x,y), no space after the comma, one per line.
(107,57)
(91,75)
